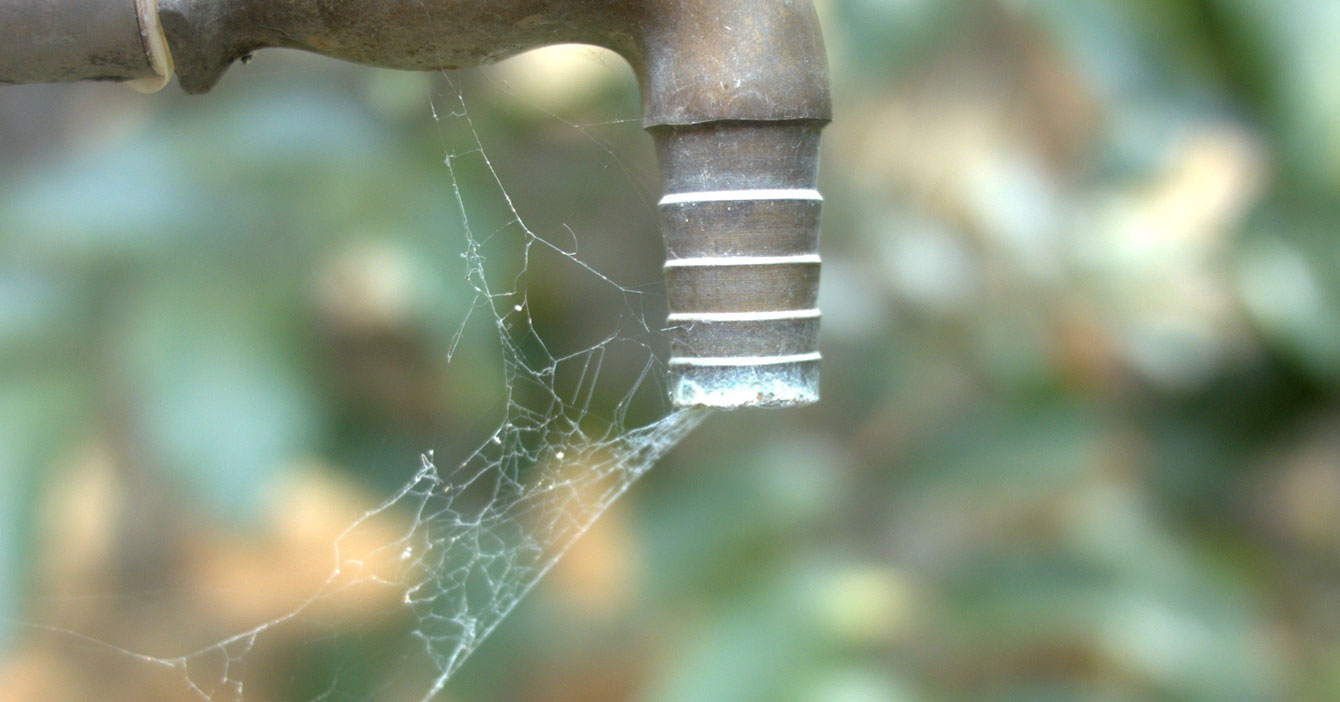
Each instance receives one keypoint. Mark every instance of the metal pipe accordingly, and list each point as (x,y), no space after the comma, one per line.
(735,93)
(66,40)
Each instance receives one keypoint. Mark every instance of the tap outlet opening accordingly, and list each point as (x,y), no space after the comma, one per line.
(740,220)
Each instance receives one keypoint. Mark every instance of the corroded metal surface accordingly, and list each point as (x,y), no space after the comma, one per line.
(735,93)
(698,60)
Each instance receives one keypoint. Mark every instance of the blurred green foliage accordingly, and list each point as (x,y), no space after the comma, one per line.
(1080,436)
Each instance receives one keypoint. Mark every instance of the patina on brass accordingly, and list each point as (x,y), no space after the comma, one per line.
(735,93)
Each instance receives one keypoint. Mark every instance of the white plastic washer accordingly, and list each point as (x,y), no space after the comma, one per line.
(155,47)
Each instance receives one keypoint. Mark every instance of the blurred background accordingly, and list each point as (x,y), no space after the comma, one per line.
(1080,431)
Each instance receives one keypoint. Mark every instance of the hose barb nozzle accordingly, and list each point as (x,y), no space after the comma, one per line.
(740,220)
(736,93)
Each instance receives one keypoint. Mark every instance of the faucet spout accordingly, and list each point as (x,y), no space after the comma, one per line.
(735,94)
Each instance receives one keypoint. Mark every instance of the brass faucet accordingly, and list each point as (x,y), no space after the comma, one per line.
(735,93)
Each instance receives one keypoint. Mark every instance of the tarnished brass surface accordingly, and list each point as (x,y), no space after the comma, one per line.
(697,60)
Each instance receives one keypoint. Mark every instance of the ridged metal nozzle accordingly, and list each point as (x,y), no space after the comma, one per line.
(740,219)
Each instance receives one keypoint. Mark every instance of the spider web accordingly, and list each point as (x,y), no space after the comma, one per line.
(450,553)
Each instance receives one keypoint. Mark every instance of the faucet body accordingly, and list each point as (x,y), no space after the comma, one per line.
(734,92)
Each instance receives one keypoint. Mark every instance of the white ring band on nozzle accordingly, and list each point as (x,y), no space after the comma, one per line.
(155,47)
